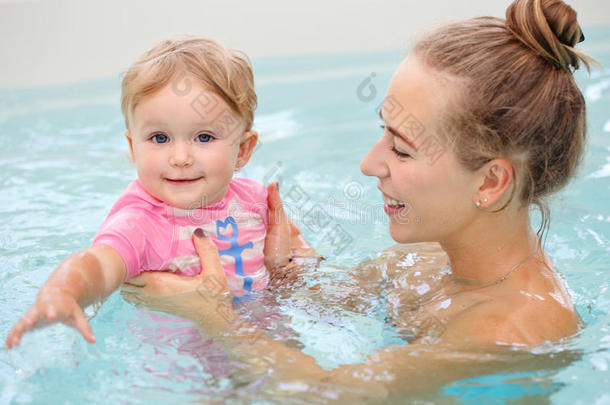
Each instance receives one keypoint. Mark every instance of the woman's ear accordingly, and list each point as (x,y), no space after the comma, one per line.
(130,141)
(497,176)
(246,147)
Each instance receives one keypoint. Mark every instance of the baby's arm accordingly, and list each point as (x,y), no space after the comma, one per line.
(80,280)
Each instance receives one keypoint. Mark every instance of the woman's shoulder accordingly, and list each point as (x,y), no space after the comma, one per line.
(532,309)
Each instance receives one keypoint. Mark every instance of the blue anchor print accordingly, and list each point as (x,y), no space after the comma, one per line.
(235,250)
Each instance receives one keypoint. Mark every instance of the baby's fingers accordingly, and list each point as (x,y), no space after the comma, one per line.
(14,335)
(26,323)
(36,318)
(78,322)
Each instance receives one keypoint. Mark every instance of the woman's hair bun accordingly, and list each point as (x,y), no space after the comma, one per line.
(549,28)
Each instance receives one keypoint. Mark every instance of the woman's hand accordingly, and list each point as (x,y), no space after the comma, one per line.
(204,298)
(286,250)
(159,283)
(277,242)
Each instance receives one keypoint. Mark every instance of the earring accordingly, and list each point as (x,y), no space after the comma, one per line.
(478,203)
(485,200)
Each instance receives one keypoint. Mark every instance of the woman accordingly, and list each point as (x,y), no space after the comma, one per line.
(500,99)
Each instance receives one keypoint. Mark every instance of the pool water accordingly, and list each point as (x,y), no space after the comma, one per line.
(63,163)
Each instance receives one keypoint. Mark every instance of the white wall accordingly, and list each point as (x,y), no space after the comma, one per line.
(58,41)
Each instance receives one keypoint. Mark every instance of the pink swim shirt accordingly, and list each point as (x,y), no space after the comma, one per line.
(152,235)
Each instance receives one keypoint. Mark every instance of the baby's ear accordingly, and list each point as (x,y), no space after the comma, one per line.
(130,141)
(246,147)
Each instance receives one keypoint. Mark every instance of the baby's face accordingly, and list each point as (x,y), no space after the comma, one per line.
(185,146)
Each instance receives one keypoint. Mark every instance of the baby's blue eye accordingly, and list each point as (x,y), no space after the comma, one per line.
(159,138)
(204,138)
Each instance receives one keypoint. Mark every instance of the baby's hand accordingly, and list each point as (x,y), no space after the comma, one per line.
(277,242)
(51,306)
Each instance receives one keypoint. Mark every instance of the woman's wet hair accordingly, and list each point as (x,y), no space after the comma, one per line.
(515,95)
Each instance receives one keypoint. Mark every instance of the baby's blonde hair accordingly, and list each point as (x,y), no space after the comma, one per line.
(224,71)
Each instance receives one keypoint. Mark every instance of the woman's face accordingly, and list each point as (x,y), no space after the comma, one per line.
(427,194)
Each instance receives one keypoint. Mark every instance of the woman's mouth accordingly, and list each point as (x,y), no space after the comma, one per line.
(182,181)
(392,206)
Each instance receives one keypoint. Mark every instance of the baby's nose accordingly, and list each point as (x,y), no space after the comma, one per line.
(181,155)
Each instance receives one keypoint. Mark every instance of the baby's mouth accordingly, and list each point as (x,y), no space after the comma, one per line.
(182,180)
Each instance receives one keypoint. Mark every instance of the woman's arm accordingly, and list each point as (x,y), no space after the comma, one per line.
(82,279)
(392,371)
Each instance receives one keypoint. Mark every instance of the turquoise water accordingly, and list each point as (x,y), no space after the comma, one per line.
(62,165)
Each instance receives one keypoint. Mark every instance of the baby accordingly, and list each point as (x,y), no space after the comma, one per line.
(188,107)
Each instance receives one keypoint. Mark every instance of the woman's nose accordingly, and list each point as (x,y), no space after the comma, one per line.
(180,155)
(374,163)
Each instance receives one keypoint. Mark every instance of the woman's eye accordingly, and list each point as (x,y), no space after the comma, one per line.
(204,138)
(159,138)
(399,153)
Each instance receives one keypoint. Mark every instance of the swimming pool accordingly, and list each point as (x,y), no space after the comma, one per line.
(63,163)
